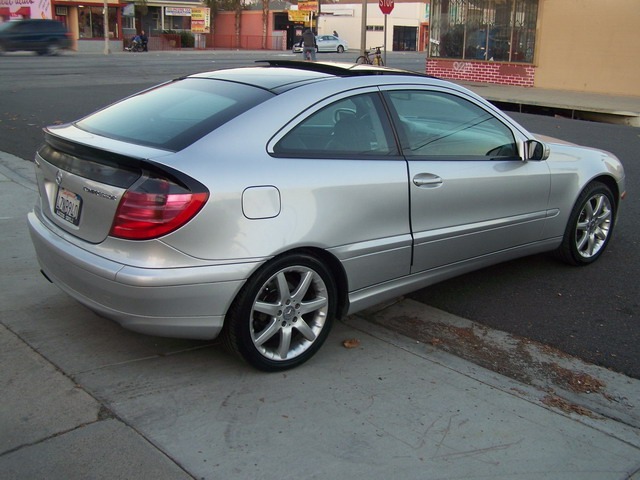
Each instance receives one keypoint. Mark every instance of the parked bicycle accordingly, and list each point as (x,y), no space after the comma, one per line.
(373,56)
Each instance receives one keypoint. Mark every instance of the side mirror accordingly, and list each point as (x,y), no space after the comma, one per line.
(535,150)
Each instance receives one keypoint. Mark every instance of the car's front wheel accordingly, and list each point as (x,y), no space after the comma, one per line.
(283,314)
(590,225)
(340,49)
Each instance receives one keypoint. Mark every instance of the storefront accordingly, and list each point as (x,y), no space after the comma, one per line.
(86,19)
(17,9)
(157,17)
(483,40)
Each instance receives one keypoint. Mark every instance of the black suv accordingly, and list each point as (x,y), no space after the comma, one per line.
(41,36)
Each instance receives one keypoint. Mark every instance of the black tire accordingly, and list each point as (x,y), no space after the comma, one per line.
(362,60)
(283,314)
(590,226)
(50,47)
(340,49)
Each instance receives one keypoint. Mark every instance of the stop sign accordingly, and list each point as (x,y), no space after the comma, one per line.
(386,6)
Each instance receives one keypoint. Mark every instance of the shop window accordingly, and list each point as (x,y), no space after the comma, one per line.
(494,30)
(405,38)
(91,22)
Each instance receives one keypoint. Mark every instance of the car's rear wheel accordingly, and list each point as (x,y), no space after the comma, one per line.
(53,49)
(340,49)
(283,314)
(590,226)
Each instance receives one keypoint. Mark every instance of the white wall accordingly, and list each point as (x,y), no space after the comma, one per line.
(349,26)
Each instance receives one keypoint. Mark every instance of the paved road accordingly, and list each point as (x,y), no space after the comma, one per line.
(589,312)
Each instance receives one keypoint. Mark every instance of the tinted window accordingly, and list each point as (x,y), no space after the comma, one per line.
(349,127)
(437,124)
(175,115)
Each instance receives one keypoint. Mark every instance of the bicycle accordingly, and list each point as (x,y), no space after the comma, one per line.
(307,55)
(373,56)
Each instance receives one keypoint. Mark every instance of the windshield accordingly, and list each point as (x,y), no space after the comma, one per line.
(174,115)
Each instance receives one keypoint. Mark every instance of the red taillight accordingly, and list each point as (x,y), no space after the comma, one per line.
(154,208)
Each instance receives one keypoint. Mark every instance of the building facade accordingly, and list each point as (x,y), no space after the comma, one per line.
(579,45)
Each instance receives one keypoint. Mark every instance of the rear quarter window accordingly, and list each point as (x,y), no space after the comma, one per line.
(175,115)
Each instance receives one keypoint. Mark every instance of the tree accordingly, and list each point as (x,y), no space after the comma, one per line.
(265,23)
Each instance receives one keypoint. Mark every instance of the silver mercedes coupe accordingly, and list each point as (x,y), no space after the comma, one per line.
(260,203)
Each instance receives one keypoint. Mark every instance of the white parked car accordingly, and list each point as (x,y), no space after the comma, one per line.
(326,43)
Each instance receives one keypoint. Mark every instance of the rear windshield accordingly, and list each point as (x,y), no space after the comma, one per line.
(175,115)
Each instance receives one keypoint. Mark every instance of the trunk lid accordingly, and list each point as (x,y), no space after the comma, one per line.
(80,186)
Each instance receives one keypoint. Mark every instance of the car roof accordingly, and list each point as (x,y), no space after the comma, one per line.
(34,22)
(282,75)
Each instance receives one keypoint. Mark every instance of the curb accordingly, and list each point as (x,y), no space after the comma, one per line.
(562,383)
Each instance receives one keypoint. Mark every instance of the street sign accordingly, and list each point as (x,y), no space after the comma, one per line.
(386,6)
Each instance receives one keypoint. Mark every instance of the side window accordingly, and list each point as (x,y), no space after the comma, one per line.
(352,126)
(435,124)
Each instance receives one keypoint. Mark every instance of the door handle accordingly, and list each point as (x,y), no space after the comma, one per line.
(427,180)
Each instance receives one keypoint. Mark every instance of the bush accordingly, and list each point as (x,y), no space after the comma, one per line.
(187,40)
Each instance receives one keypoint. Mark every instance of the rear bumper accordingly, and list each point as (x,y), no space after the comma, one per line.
(188,302)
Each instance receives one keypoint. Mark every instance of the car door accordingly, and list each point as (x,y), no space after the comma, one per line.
(326,43)
(344,156)
(470,193)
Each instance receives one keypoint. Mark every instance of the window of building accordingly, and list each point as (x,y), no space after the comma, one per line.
(499,30)
(91,22)
(177,18)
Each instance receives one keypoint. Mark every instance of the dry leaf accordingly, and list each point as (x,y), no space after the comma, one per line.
(351,343)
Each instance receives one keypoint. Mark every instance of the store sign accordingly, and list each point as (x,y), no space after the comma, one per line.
(201,20)
(307,6)
(129,10)
(298,16)
(17,9)
(177,11)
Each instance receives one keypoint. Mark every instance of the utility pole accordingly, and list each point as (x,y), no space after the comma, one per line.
(105,16)
(363,27)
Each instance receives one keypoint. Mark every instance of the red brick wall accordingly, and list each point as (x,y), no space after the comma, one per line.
(483,72)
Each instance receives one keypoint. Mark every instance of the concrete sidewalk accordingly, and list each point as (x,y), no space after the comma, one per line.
(618,109)
(82,398)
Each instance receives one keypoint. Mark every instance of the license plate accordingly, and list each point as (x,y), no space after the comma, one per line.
(68,206)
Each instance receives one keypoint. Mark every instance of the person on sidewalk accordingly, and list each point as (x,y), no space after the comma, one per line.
(309,45)
(145,40)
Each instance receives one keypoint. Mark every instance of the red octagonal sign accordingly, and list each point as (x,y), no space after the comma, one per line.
(386,6)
